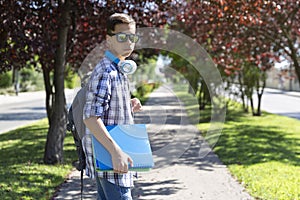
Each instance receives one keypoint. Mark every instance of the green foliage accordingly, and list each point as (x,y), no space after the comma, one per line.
(144,90)
(146,71)
(71,78)
(30,80)
(252,77)
(261,152)
(145,78)
(180,70)
(5,80)
(22,174)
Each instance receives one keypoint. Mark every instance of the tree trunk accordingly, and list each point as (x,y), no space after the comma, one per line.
(295,58)
(49,92)
(249,95)
(259,91)
(242,92)
(252,106)
(203,97)
(200,98)
(293,55)
(57,126)
(259,96)
(258,113)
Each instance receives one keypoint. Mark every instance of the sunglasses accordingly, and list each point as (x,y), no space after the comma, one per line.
(123,37)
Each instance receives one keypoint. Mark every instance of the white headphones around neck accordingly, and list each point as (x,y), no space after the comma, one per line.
(125,66)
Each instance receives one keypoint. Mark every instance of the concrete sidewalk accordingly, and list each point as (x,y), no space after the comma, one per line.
(180,172)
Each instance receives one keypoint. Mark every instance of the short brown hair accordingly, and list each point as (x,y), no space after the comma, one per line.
(117,18)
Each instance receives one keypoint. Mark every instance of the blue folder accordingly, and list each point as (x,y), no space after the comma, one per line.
(133,139)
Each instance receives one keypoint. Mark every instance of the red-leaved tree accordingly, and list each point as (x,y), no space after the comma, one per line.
(58,32)
(242,34)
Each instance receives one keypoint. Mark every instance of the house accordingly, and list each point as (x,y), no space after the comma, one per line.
(282,78)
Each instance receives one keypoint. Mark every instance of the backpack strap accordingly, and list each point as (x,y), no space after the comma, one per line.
(77,140)
(81,182)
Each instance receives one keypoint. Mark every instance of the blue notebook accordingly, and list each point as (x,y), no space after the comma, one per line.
(133,140)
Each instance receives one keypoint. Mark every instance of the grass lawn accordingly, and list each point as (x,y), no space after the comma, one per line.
(263,153)
(23,174)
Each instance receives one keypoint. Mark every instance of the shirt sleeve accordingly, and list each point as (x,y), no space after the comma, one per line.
(98,95)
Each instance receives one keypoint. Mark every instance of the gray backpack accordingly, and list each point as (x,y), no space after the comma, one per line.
(77,128)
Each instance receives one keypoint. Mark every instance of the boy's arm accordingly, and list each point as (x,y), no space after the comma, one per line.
(120,159)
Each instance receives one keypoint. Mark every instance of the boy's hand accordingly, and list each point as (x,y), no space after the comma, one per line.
(136,105)
(120,162)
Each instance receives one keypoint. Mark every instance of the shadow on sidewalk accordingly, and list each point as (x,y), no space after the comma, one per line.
(178,165)
(144,189)
(173,141)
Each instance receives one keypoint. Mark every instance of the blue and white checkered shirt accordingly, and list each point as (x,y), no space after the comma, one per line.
(107,97)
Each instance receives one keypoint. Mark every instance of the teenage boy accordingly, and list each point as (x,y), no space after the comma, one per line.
(108,103)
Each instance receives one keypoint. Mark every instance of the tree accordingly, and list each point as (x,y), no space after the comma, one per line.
(41,28)
(252,78)
(237,33)
(14,51)
(60,32)
(197,85)
(58,118)
(278,23)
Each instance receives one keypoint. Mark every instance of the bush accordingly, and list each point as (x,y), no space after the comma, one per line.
(6,80)
(30,80)
(72,80)
(143,90)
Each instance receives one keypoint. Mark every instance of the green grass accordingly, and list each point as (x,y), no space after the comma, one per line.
(23,174)
(263,153)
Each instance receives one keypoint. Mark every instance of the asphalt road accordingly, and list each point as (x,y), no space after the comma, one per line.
(281,102)
(16,111)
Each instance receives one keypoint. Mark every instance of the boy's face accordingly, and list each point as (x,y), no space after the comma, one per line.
(122,49)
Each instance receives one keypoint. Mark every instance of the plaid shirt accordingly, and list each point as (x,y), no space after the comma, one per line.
(107,97)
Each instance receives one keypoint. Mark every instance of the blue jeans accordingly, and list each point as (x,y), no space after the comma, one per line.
(110,191)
